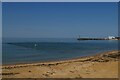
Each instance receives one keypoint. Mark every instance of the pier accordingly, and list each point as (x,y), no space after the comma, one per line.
(92,39)
(109,38)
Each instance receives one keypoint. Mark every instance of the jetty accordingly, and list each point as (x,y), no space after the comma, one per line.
(92,39)
(108,38)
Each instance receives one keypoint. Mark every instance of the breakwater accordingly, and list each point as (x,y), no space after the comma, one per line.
(96,39)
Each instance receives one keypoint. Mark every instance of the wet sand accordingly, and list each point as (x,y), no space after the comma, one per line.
(103,65)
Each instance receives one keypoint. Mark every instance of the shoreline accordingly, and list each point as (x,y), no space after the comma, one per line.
(91,63)
(57,61)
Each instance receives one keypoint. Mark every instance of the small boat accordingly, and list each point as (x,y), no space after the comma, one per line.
(35,45)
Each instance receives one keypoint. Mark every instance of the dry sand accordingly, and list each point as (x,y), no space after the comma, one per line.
(103,65)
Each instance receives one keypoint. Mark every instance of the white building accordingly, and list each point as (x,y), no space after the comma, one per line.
(111,37)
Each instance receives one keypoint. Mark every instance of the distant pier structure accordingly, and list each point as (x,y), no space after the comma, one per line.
(108,38)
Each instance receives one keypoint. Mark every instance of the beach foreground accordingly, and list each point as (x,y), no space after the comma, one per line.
(103,65)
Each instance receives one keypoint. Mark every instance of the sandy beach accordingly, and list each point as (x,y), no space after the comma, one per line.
(102,65)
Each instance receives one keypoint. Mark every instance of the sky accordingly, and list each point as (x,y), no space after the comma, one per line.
(60,0)
(59,20)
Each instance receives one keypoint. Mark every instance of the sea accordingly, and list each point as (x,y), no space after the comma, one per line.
(33,50)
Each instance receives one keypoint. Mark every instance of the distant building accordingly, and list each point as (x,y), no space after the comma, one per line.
(111,37)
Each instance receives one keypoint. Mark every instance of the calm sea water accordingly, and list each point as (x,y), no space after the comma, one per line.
(28,50)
